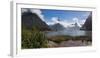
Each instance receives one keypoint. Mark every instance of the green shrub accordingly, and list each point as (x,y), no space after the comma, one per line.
(33,39)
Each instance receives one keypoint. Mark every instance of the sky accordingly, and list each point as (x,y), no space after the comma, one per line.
(65,17)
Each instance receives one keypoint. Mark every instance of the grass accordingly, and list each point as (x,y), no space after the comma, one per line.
(33,39)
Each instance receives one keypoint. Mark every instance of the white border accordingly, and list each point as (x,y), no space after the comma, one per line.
(16,38)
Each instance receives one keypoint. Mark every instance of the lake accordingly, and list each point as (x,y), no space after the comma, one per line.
(70,32)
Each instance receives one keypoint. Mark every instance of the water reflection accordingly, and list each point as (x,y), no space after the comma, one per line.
(69,32)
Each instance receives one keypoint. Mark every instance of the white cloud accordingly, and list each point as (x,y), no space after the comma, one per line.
(75,19)
(55,19)
(38,12)
(50,23)
(65,22)
(82,21)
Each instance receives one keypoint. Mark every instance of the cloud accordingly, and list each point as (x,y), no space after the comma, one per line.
(50,23)
(67,23)
(75,19)
(82,21)
(55,19)
(36,11)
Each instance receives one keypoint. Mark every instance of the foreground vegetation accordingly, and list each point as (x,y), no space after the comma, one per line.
(33,39)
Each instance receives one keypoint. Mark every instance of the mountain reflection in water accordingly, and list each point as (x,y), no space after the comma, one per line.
(76,32)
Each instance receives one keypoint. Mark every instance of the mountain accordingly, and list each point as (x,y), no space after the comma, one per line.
(88,23)
(57,27)
(32,20)
(74,26)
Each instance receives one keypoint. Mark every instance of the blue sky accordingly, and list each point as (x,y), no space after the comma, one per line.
(63,15)
(66,17)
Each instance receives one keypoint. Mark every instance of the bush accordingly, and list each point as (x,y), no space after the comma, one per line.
(33,39)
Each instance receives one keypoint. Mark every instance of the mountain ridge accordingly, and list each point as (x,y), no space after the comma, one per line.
(31,20)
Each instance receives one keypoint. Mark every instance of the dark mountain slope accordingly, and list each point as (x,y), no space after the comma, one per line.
(57,27)
(88,23)
(31,20)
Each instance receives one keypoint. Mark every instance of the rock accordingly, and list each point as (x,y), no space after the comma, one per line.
(52,44)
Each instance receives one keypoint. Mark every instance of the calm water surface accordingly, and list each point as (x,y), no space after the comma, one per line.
(69,32)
